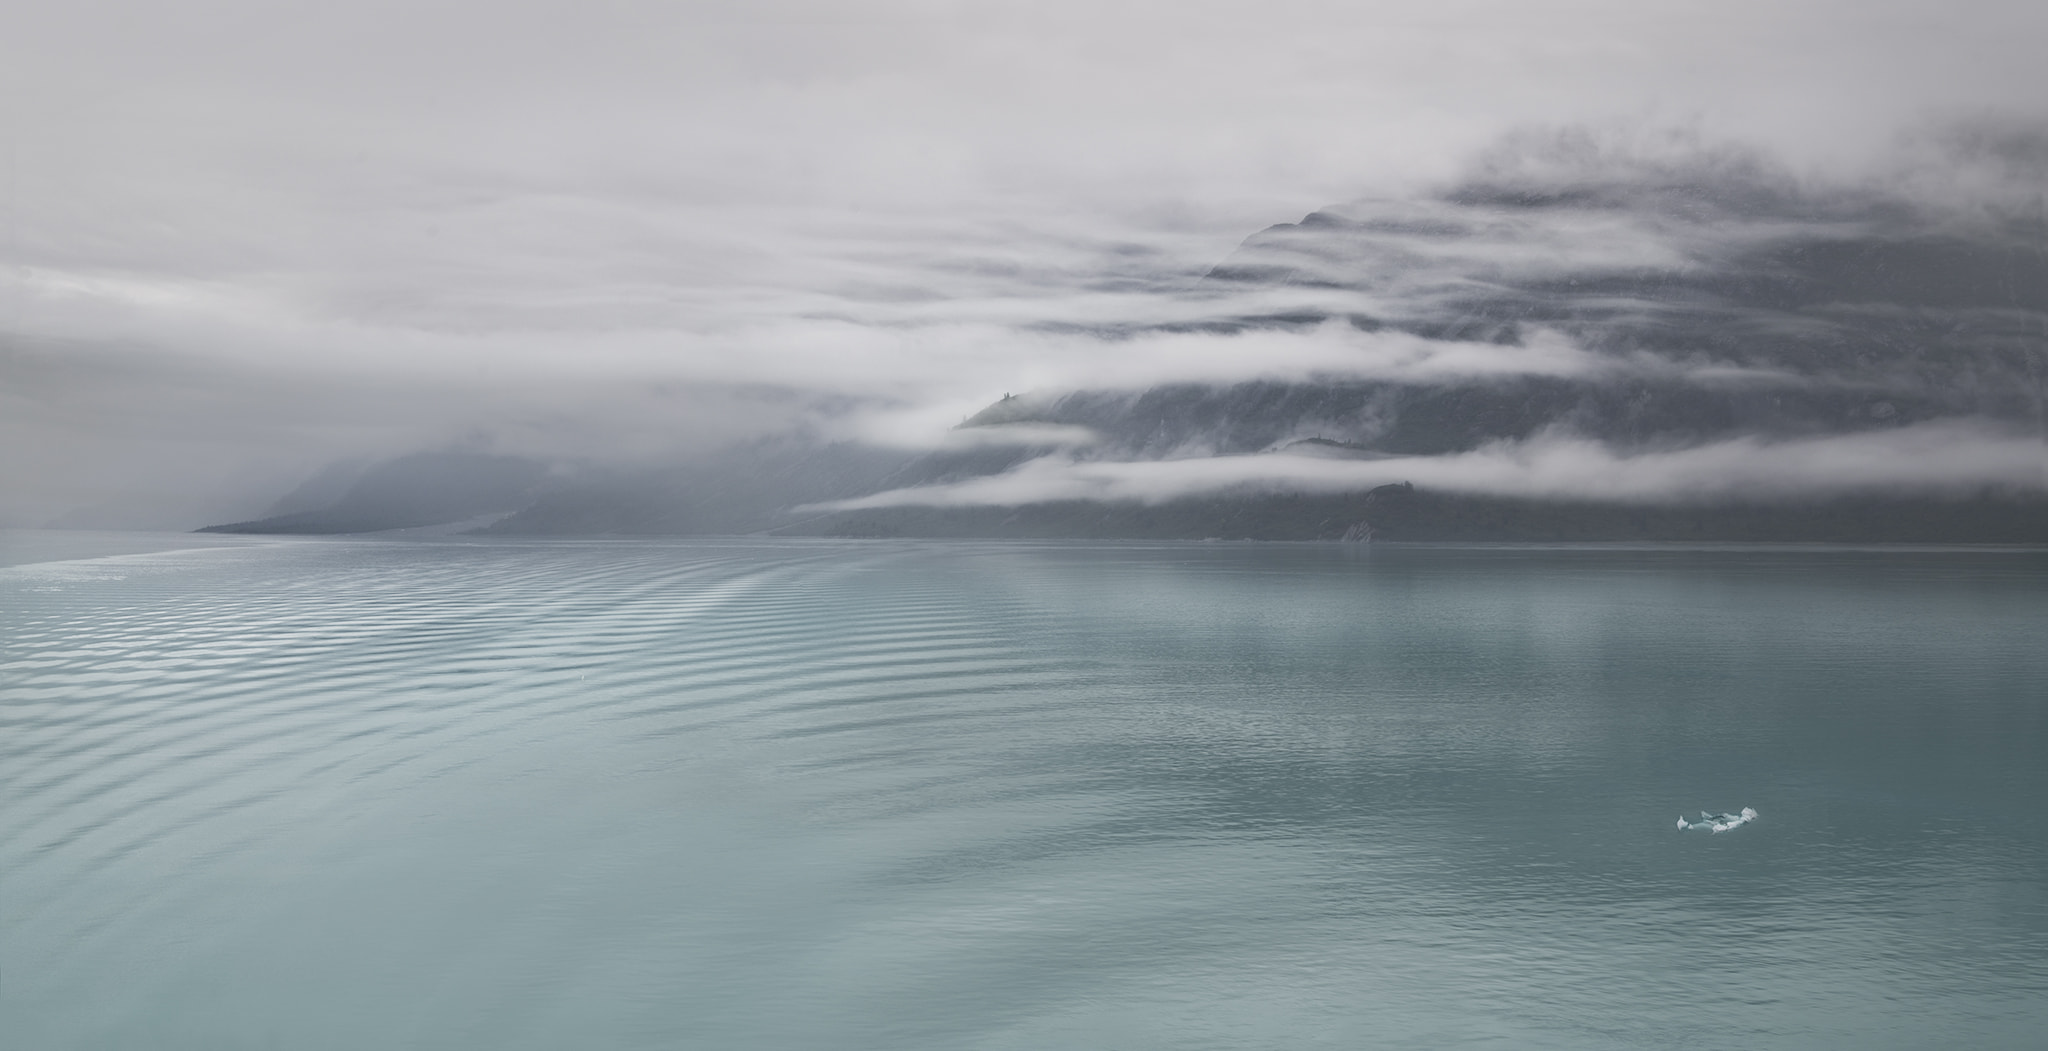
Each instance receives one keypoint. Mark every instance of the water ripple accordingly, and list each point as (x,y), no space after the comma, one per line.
(896,795)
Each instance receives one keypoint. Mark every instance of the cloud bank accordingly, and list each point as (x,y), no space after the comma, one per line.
(239,240)
(1945,459)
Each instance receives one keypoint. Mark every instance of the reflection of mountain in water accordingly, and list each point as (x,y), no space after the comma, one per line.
(1702,301)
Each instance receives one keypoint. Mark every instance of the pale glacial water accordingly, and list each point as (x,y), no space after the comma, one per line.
(736,794)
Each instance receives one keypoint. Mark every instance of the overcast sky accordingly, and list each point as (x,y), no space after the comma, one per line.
(243,239)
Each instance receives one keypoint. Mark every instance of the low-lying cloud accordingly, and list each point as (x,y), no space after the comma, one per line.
(1941,459)
(241,240)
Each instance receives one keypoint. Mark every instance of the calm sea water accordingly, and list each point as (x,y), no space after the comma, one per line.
(732,794)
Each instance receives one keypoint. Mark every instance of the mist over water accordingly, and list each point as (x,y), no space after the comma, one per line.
(504,793)
(521,295)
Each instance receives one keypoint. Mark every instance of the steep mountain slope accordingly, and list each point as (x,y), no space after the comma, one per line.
(1641,315)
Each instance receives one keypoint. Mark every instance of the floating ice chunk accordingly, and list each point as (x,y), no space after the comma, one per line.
(1717,822)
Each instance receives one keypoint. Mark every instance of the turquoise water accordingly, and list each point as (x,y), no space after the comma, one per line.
(732,794)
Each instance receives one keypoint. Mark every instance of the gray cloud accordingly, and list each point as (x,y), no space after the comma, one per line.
(1949,458)
(240,239)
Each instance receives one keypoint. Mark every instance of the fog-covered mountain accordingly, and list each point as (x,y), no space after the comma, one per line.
(423,489)
(1695,350)
(1563,345)
(742,489)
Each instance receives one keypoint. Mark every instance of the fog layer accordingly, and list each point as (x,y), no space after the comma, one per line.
(242,242)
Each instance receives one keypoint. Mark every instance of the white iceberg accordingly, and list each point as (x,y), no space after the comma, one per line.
(1717,822)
